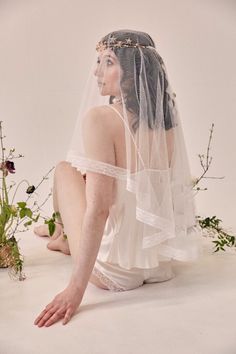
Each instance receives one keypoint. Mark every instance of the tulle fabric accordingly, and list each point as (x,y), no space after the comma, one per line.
(157,173)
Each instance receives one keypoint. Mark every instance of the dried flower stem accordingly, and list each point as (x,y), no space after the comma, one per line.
(205,166)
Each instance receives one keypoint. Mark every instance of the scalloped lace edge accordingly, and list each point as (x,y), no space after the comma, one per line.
(106,281)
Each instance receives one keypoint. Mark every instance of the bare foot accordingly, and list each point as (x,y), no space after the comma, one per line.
(59,244)
(43,231)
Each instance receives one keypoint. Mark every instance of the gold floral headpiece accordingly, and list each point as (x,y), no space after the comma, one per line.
(114,43)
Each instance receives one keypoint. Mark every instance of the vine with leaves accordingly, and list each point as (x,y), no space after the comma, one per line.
(212,225)
(14,215)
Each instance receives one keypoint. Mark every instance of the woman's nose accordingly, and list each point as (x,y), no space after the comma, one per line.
(97,70)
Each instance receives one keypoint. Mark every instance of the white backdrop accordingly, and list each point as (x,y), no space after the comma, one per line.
(46,48)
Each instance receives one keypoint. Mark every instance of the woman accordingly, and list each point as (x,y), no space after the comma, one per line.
(124,194)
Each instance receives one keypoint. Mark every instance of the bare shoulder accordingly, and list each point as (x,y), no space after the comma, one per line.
(104,117)
(101,112)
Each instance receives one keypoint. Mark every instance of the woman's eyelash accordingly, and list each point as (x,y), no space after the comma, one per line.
(108,61)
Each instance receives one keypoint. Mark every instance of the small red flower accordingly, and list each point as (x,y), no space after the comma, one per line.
(10,166)
(7,166)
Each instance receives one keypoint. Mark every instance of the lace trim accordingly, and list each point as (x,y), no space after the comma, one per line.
(106,281)
(156,239)
(83,163)
(178,254)
(193,247)
(166,227)
(155,220)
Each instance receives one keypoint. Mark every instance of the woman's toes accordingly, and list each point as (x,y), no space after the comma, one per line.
(41,230)
(52,245)
(60,244)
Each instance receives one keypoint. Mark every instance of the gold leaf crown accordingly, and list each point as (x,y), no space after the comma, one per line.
(114,43)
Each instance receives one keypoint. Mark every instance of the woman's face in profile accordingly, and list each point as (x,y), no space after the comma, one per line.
(108,73)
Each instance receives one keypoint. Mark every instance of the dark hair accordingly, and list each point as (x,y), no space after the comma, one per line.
(130,79)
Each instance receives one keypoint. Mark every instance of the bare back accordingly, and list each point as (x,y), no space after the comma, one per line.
(117,127)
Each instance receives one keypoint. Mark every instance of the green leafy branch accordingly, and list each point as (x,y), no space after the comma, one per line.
(12,215)
(212,224)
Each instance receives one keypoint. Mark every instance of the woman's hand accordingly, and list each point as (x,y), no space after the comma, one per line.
(63,306)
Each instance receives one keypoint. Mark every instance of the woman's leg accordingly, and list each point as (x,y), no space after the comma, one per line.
(43,230)
(70,200)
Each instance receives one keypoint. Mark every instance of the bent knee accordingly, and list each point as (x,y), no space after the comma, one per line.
(64,167)
(63,164)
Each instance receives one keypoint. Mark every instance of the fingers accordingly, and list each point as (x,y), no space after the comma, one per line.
(52,315)
(40,317)
(48,307)
(67,316)
(62,306)
(54,318)
(46,315)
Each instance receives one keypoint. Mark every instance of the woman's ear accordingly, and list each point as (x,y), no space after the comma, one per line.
(111,99)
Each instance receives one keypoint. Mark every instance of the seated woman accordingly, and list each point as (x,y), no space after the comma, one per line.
(124,193)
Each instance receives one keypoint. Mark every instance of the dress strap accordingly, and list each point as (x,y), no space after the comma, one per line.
(114,109)
(127,126)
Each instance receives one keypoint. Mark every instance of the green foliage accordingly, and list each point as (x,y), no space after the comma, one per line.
(212,224)
(52,222)
(224,239)
(65,237)
(13,215)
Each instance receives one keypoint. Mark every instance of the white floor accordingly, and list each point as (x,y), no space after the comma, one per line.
(194,313)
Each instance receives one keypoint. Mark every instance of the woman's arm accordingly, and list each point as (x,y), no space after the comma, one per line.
(99,198)
(99,145)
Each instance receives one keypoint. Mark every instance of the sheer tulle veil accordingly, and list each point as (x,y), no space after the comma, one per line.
(157,169)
